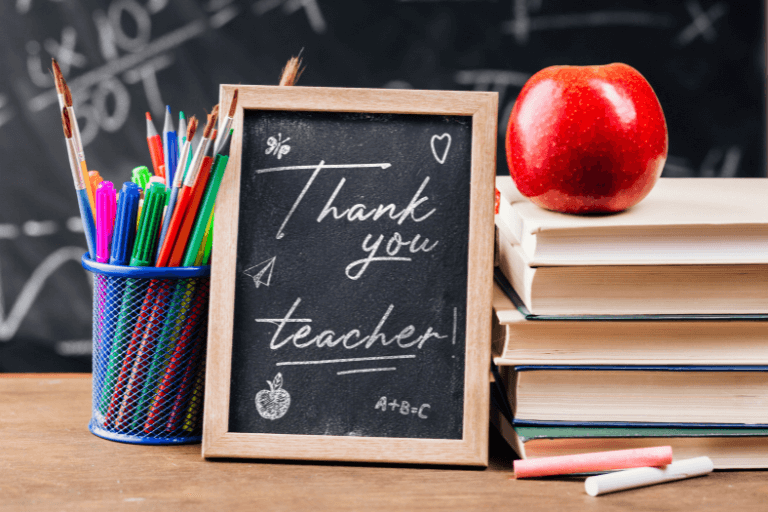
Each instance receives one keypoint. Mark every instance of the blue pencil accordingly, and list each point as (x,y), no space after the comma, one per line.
(170,147)
(178,177)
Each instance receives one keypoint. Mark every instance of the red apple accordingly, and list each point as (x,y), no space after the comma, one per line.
(586,139)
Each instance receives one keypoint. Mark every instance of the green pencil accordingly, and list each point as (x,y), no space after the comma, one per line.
(206,206)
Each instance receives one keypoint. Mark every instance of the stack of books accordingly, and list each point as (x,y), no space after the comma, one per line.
(643,328)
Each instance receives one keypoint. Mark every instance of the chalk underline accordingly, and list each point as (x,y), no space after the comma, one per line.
(349,360)
(366,370)
(323,166)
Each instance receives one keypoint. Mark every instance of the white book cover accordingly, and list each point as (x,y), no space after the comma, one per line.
(682,221)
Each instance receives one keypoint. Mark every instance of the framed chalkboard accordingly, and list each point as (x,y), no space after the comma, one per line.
(351,287)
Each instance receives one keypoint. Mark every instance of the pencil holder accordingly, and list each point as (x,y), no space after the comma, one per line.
(149,342)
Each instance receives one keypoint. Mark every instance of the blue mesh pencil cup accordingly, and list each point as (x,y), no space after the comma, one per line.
(149,341)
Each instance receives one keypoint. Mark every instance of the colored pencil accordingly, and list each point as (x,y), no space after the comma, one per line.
(206,256)
(191,362)
(192,417)
(95,178)
(206,206)
(178,178)
(190,213)
(185,195)
(155,143)
(86,214)
(174,320)
(183,352)
(170,146)
(206,240)
(181,133)
(106,206)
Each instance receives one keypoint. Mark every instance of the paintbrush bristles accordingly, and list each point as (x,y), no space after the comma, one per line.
(67,92)
(57,76)
(66,123)
(209,125)
(292,71)
(233,105)
(191,128)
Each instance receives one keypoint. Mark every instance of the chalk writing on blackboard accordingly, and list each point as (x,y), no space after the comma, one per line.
(403,407)
(524,20)
(261,272)
(273,403)
(315,171)
(444,143)
(311,8)
(702,23)
(278,146)
(6,113)
(32,288)
(103,99)
(728,161)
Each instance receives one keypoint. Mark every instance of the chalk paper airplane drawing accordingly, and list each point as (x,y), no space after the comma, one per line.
(261,272)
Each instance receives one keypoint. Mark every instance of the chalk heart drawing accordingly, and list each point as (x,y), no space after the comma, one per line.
(437,142)
(272,404)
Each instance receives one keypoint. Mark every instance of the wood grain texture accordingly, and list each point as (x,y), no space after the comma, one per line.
(50,461)
(472,448)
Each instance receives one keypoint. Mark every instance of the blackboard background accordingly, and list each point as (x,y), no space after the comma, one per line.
(704,58)
(311,258)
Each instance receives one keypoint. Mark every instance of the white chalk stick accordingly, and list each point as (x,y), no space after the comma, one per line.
(638,477)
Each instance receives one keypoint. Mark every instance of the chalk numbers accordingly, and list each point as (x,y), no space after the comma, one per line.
(278,146)
(404,407)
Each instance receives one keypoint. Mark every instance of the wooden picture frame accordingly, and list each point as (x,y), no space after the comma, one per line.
(472,448)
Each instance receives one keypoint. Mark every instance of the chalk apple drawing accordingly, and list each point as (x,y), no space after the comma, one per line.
(272,404)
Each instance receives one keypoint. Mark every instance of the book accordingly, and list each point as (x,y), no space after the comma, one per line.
(613,395)
(729,448)
(681,221)
(519,338)
(633,289)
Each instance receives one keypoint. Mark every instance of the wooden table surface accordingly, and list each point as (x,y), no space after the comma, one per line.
(50,461)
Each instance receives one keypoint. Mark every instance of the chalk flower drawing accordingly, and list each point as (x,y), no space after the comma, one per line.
(272,404)
(278,146)
(440,159)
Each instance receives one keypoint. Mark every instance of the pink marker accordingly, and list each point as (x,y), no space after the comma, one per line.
(106,205)
(594,462)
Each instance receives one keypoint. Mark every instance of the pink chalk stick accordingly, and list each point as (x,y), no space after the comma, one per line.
(590,462)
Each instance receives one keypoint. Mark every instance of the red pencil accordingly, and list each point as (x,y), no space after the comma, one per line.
(185,195)
(155,143)
(136,367)
(192,335)
(198,189)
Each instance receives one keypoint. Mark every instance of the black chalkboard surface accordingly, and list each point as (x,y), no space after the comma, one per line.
(704,58)
(352,284)
(323,252)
